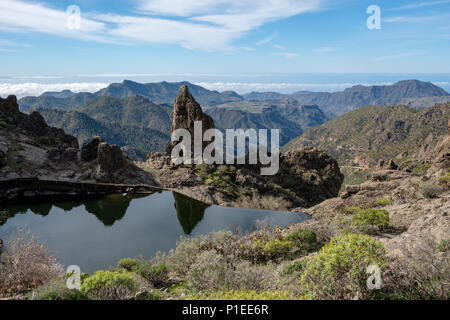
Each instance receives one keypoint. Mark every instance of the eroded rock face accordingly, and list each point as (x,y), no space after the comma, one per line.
(9,105)
(313,171)
(89,150)
(185,112)
(110,162)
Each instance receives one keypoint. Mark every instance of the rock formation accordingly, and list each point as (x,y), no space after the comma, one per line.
(185,112)
(89,150)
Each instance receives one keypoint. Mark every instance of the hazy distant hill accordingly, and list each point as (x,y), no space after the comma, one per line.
(338,103)
(286,114)
(161,92)
(368,134)
(60,100)
(136,111)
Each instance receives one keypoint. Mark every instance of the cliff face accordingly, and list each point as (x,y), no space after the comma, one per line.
(29,148)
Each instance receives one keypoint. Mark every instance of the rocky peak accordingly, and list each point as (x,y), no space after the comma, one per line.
(9,105)
(185,112)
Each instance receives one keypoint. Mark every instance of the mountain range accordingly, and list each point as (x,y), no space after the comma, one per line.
(137,116)
(369,134)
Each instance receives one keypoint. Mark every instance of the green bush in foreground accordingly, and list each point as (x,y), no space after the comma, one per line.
(109,285)
(304,241)
(127,264)
(57,290)
(294,267)
(338,271)
(371,219)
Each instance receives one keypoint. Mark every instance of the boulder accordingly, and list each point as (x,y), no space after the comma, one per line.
(89,150)
(185,112)
(111,162)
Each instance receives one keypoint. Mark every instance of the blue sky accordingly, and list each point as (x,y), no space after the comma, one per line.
(218,36)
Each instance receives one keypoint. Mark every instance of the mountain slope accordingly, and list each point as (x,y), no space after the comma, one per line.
(59,100)
(364,136)
(286,114)
(136,111)
(337,103)
(139,140)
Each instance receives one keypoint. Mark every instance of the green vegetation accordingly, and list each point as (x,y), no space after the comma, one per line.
(445,180)
(246,295)
(338,271)
(431,191)
(444,245)
(384,202)
(109,285)
(295,267)
(155,274)
(127,264)
(370,220)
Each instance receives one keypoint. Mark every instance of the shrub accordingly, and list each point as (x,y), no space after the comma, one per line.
(444,245)
(207,272)
(445,180)
(26,263)
(384,202)
(295,267)
(127,264)
(248,295)
(57,290)
(271,249)
(109,285)
(305,241)
(370,220)
(423,276)
(431,191)
(263,202)
(338,271)
(156,273)
(351,210)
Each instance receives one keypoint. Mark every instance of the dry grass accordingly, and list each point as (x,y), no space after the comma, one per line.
(25,264)
(263,202)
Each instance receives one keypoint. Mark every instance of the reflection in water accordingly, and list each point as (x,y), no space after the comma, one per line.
(95,234)
(189,212)
(111,208)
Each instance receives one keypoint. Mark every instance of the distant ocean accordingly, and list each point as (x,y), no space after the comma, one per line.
(241,83)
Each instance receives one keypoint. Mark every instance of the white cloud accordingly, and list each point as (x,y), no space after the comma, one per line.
(201,24)
(416,19)
(421,5)
(287,55)
(277,46)
(400,55)
(36,89)
(325,49)
(266,40)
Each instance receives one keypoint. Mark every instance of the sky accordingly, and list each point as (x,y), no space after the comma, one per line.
(122,38)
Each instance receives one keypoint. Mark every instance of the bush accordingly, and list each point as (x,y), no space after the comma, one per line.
(431,191)
(57,290)
(208,272)
(351,210)
(26,264)
(338,271)
(156,274)
(370,220)
(248,295)
(263,202)
(305,241)
(445,180)
(295,267)
(444,245)
(384,202)
(127,264)
(109,285)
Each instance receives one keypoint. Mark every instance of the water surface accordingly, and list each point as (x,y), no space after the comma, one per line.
(95,234)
